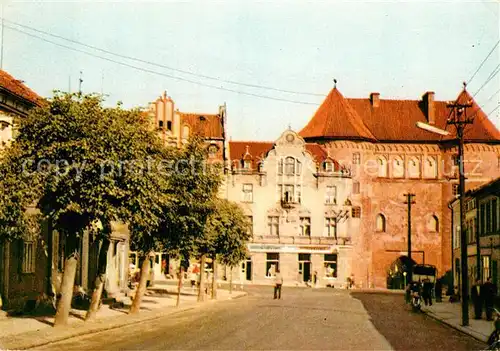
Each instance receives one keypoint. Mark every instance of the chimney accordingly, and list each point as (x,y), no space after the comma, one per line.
(375,99)
(429,107)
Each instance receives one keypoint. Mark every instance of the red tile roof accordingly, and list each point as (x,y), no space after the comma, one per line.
(16,87)
(392,120)
(207,126)
(336,118)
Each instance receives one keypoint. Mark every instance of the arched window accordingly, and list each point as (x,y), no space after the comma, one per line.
(433,225)
(430,168)
(398,167)
(380,221)
(382,166)
(414,167)
(289,166)
(185,132)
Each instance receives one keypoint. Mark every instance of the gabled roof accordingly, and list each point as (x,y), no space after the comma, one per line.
(392,120)
(206,125)
(258,151)
(335,118)
(16,87)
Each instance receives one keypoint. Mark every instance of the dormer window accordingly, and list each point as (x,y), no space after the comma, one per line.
(328,166)
(247,164)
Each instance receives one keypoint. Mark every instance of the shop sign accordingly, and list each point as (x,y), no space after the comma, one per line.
(290,248)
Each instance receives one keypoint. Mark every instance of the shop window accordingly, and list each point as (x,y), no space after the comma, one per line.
(29,257)
(305,226)
(272,264)
(247,192)
(330,264)
(486,267)
(273,225)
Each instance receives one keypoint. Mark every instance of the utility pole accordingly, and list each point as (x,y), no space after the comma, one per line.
(460,120)
(80,81)
(409,201)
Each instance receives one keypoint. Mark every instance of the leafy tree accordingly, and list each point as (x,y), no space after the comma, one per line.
(85,164)
(193,187)
(229,230)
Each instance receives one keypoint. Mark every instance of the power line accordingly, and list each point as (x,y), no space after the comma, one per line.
(164,66)
(482,63)
(491,76)
(163,74)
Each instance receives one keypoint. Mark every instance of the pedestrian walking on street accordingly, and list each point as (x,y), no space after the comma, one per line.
(477,299)
(489,294)
(438,289)
(278,282)
(427,292)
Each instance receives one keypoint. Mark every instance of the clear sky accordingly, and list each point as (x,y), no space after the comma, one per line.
(398,48)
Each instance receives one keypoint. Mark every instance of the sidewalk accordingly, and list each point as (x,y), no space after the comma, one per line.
(28,331)
(451,314)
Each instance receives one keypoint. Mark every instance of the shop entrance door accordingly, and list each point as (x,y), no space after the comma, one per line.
(305,267)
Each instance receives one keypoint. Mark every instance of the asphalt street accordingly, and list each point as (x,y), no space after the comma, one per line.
(304,319)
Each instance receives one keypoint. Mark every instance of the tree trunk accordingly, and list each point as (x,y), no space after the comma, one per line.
(141,289)
(230,279)
(201,292)
(179,285)
(214,278)
(68,282)
(99,280)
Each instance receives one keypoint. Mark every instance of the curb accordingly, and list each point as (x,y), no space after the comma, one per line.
(453,326)
(97,329)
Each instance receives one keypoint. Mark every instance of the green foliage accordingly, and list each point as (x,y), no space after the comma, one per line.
(227,233)
(81,162)
(193,188)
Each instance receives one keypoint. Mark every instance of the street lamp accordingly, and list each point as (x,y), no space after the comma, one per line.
(404,278)
(460,121)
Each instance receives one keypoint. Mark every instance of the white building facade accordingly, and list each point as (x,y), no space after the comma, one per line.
(298,200)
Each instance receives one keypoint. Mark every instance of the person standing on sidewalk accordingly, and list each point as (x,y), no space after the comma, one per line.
(489,293)
(278,282)
(477,299)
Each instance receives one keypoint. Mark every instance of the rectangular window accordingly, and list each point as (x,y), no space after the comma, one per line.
(169,125)
(355,188)
(488,217)
(329,227)
(482,214)
(331,195)
(298,194)
(273,225)
(272,264)
(250,228)
(279,192)
(356,158)
(486,267)
(330,264)
(280,166)
(494,215)
(356,212)
(247,165)
(247,192)
(289,193)
(305,226)
(29,257)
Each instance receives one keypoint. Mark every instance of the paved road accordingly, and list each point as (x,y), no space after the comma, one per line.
(305,319)
(406,330)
